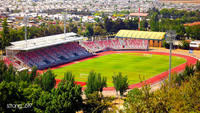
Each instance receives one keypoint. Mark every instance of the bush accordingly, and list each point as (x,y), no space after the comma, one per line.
(189,71)
(95,104)
(197,66)
(165,44)
(184,45)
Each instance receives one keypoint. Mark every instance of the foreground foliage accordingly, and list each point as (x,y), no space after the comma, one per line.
(172,97)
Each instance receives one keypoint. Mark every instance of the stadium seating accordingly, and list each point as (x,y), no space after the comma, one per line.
(54,55)
(8,62)
(116,44)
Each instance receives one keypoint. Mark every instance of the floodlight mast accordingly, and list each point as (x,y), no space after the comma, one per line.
(26,21)
(171,37)
(64,19)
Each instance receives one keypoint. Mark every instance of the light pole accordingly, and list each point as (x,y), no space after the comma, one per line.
(64,18)
(171,35)
(26,19)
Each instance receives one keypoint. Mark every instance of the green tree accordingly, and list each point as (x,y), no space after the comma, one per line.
(48,80)
(23,76)
(89,30)
(68,77)
(184,45)
(95,83)
(98,30)
(108,24)
(5,39)
(64,99)
(180,31)
(3,69)
(11,94)
(120,83)
(143,25)
(118,25)
(165,44)
(195,32)
(154,22)
(33,73)
(131,24)
(10,74)
(197,66)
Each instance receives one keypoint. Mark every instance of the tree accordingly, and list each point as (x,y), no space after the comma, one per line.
(48,80)
(131,24)
(23,76)
(195,32)
(10,74)
(68,77)
(108,24)
(98,30)
(179,98)
(165,44)
(95,83)
(5,40)
(180,31)
(143,25)
(184,45)
(89,30)
(197,66)
(3,69)
(33,73)
(64,99)
(10,95)
(154,22)
(120,83)
(118,25)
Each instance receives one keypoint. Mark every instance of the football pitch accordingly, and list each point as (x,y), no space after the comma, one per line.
(136,66)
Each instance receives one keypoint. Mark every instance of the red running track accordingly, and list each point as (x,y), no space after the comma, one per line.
(153,80)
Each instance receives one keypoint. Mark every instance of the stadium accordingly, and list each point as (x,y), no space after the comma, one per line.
(128,52)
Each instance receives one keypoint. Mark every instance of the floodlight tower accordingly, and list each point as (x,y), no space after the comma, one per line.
(26,21)
(64,18)
(171,35)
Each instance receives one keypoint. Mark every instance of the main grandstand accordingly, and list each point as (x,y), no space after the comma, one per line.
(55,50)
(46,52)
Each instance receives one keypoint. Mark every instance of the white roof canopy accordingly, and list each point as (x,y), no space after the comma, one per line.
(44,41)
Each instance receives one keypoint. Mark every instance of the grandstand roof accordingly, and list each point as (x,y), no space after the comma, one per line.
(141,34)
(44,41)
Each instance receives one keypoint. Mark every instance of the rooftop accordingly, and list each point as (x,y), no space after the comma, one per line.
(141,34)
(41,42)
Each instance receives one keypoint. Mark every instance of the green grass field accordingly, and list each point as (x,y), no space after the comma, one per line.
(134,65)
